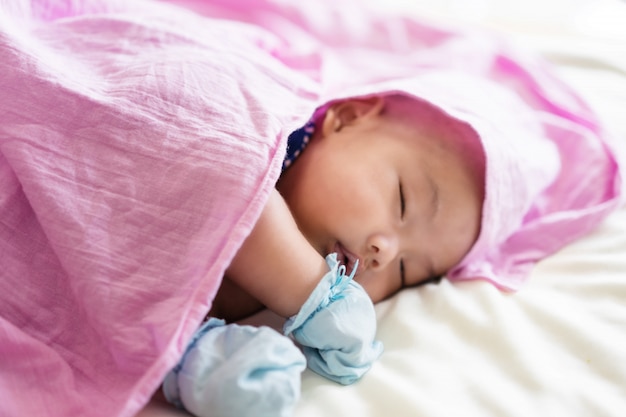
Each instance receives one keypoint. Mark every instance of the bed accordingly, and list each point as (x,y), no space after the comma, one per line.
(555,348)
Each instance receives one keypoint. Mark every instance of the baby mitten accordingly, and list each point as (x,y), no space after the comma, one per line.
(336,327)
(236,371)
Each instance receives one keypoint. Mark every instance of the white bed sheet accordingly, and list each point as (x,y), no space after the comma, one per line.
(557,347)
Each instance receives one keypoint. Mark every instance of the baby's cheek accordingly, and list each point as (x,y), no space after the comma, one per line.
(376,285)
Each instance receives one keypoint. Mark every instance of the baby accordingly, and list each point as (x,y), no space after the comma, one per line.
(387,184)
(397,189)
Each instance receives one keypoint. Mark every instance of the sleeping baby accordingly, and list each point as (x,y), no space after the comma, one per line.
(173,170)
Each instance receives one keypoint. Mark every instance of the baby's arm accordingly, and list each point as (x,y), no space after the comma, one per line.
(276,264)
(328,313)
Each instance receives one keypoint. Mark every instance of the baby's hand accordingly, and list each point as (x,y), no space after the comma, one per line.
(336,327)
(236,371)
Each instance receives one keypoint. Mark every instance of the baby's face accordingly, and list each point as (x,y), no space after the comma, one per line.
(406,209)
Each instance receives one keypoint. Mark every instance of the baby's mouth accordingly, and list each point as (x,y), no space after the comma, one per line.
(347,258)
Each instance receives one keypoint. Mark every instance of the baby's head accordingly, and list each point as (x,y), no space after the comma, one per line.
(390,181)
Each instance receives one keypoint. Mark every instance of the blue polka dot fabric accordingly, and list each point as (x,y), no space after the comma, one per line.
(297,141)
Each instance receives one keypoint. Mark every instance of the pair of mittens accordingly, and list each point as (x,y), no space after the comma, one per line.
(233,370)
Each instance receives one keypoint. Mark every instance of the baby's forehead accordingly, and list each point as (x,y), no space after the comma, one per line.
(430,125)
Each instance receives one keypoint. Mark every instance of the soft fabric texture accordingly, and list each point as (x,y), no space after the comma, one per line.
(139,142)
(336,327)
(236,371)
(138,145)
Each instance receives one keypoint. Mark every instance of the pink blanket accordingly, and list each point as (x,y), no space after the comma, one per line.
(137,150)
(139,141)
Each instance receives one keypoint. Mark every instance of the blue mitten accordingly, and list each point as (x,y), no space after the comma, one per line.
(236,371)
(336,327)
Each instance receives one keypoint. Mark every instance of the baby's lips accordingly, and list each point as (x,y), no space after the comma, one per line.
(349,259)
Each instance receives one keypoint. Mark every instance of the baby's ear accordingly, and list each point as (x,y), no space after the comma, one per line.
(350,112)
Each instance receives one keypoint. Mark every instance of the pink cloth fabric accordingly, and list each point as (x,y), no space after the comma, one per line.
(139,141)
(138,146)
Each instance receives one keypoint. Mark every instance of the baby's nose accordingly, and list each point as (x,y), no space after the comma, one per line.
(382,249)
